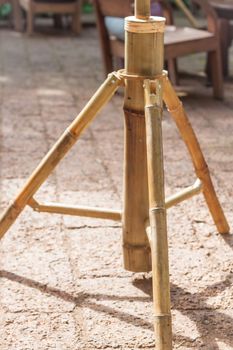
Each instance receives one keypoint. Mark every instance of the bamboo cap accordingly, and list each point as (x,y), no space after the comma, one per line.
(153,25)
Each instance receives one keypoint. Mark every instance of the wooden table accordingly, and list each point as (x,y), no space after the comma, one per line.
(224,9)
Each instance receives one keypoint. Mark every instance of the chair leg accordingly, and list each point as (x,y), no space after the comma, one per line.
(225,42)
(30,21)
(215,66)
(17,16)
(76,19)
(57,20)
(76,26)
(173,71)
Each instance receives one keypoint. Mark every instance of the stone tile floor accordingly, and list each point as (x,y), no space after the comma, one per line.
(62,281)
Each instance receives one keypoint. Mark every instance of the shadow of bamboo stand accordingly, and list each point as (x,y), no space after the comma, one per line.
(143,218)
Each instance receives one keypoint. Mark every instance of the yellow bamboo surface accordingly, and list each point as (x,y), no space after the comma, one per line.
(183,195)
(64,209)
(177,111)
(62,146)
(143,57)
(158,221)
(142,9)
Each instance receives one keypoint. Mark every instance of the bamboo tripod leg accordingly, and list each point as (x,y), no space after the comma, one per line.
(158,228)
(62,146)
(177,111)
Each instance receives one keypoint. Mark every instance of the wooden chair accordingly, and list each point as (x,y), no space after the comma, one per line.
(15,17)
(55,7)
(224,9)
(179,41)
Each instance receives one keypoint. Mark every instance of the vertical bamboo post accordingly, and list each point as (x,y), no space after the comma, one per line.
(142,9)
(177,111)
(143,56)
(62,146)
(158,220)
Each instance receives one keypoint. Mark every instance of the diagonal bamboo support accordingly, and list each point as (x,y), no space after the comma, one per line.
(175,107)
(158,221)
(62,146)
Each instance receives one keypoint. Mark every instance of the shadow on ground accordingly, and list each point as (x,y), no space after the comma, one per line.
(213,327)
(216,326)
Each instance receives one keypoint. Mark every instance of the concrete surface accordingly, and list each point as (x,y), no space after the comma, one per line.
(62,281)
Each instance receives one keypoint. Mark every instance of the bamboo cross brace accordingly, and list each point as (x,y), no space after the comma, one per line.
(108,214)
(64,209)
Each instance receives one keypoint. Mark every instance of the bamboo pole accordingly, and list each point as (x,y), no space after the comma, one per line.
(158,223)
(183,195)
(56,208)
(62,146)
(177,111)
(141,58)
(142,9)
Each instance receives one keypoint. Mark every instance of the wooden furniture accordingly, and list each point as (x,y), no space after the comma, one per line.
(55,7)
(179,41)
(182,6)
(224,9)
(16,19)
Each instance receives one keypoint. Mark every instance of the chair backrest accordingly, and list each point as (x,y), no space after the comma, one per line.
(116,8)
(109,8)
(166,11)
(124,8)
(210,13)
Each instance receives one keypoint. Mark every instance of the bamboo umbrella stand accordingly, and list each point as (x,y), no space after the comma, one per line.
(145,246)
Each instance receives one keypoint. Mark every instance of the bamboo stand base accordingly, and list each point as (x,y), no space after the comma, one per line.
(155,223)
(145,244)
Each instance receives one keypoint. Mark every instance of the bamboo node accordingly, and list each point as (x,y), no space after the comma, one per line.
(151,25)
(157,210)
(136,246)
(202,172)
(159,316)
(123,75)
(70,135)
(176,109)
(133,114)
(152,106)
(14,206)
